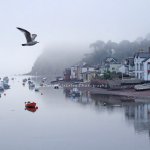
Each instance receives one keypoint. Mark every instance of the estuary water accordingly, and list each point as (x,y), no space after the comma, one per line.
(64,122)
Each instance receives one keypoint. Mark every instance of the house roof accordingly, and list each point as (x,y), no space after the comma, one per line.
(110,60)
(87,65)
(146,59)
(142,54)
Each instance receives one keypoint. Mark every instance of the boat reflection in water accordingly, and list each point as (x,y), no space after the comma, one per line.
(136,113)
(32,109)
(80,97)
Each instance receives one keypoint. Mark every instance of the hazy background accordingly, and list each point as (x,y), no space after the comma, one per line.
(65,25)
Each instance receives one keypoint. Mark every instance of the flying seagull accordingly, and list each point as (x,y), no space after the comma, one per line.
(29,37)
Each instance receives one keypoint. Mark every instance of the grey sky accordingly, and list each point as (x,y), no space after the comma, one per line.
(70,22)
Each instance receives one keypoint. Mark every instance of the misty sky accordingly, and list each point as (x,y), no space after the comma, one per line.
(66,22)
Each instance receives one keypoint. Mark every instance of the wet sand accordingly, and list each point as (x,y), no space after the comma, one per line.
(130,93)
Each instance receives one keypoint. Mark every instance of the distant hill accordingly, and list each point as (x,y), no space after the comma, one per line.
(52,62)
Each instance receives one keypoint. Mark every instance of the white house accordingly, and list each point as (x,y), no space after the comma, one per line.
(122,69)
(110,64)
(142,65)
(74,72)
(146,66)
(86,68)
(114,67)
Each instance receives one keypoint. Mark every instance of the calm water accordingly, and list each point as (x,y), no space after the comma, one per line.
(66,123)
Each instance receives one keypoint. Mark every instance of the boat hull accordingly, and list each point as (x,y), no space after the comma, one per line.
(30,105)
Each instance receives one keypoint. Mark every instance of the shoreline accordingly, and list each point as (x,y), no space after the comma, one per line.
(128,93)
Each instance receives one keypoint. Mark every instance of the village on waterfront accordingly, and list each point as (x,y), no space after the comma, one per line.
(129,77)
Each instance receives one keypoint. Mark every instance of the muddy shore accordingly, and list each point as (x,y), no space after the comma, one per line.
(129,93)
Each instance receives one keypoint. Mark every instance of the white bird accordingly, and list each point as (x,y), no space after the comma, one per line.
(29,37)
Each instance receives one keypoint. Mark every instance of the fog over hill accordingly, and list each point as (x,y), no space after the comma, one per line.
(53,60)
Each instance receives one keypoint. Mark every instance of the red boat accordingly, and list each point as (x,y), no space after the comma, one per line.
(30,104)
(32,109)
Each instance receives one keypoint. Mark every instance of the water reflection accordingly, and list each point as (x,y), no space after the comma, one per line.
(67,122)
(31,88)
(136,113)
(83,98)
(139,115)
(31,109)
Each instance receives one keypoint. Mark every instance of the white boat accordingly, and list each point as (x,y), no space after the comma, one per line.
(5,85)
(6,79)
(142,87)
(75,92)
(56,86)
(31,84)
(1,86)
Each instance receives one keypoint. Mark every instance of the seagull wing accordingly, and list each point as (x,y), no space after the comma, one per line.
(34,36)
(26,33)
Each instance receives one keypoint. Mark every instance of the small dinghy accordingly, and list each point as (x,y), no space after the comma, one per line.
(56,86)
(30,104)
(75,92)
(36,89)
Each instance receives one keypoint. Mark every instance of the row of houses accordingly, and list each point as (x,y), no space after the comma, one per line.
(137,66)
(84,72)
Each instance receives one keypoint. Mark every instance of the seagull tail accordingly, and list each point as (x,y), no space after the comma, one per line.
(23,44)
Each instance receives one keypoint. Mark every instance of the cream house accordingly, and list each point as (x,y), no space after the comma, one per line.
(110,64)
(88,75)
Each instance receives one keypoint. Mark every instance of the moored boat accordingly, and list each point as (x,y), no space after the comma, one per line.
(1,86)
(36,89)
(75,92)
(24,80)
(30,104)
(6,85)
(142,87)
(56,86)
(6,79)
(32,85)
